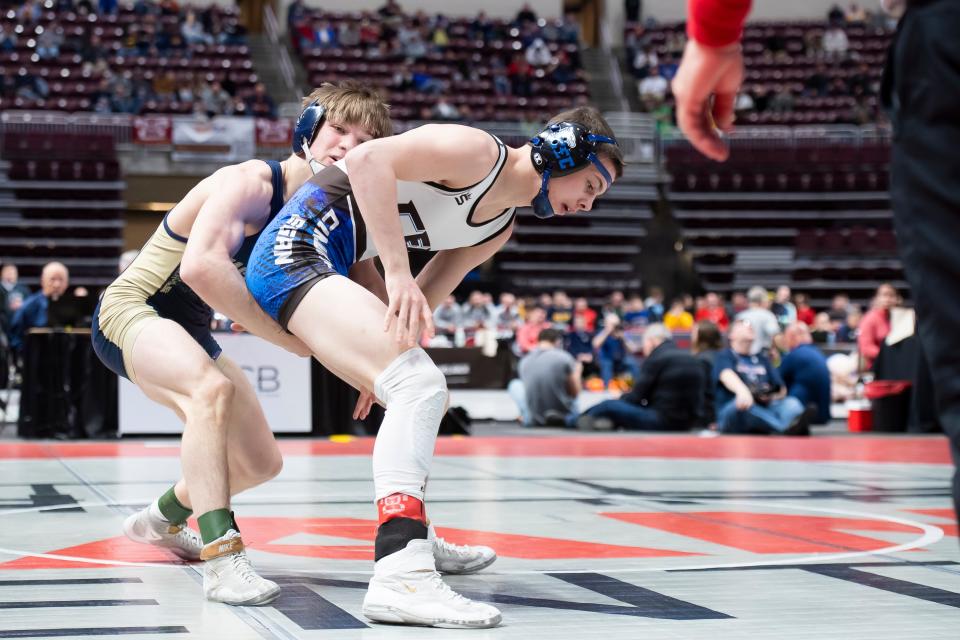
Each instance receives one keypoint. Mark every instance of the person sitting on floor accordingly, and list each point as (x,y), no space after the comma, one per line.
(667,396)
(550,381)
(804,371)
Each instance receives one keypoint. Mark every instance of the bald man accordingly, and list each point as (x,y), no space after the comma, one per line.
(804,371)
(54,281)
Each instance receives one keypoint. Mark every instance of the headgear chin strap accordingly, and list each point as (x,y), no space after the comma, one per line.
(305,130)
(559,150)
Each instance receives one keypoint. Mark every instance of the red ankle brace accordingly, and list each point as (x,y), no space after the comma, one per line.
(400,505)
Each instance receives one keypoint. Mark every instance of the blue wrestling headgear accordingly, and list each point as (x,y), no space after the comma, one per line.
(305,130)
(559,150)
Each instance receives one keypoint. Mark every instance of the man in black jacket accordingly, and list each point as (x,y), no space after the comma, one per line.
(667,396)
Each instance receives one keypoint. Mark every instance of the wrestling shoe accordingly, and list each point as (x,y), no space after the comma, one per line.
(406,589)
(148,526)
(459,559)
(228,576)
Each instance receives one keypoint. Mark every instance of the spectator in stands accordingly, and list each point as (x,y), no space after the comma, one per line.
(561,71)
(296,11)
(835,42)
(654,304)
(12,294)
(29,13)
(614,304)
(782,100)
(856,15)
(613,352)
(520,74)
(644,60)
(581,309)
(667,395)
(49,42)
(526,15)
(836,15)
(785,310)
(506,317)
(260,105)
(391,9)
(635,314)
(561,310)
(31,87)
(744,103)
(839,307)
(579,343)
(805,313)
(324,35)
(8,39)
(668,67)
(849,330)
(550,381)
(751,396)
(538,53)
(192,30)
(529,331)
(164,84)
(677,318)
(822,330)
(216,101)
(568,29)
(54,280)
(876,324)
(123,100)
(706,341)
(738,303)
(446,318)
(653,89)
(474,314)
(426,83)
(805,373)
(818,82)
(443,109)
(759,317)
(714,312)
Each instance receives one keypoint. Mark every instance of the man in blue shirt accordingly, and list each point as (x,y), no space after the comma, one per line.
(751,396)
(804,371)
(33,313)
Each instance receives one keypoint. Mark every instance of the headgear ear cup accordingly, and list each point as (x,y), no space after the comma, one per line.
(560,149)
(305,131)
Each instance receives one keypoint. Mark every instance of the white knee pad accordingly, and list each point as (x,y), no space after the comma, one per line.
(414,392)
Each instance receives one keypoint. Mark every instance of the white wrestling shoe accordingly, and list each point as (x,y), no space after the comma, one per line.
(406,589)
(228,576)
(459,559)
(148,526)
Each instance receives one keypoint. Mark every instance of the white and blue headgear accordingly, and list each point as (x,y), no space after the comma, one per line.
(305,130)
(560,149)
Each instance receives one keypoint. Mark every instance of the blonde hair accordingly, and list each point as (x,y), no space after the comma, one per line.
(354,103)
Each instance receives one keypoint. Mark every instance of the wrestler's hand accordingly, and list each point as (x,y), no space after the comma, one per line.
(408,310)
(705,88)
(364,404)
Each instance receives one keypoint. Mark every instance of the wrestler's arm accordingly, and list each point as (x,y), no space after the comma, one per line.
(237,194)
(431,152)
(447,269)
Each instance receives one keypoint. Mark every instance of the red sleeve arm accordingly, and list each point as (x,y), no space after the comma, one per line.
(716,23)
(867,341)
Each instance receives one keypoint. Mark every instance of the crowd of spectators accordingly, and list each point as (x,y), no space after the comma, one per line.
(771,375)
(839,71)
(414,40)
(127,88)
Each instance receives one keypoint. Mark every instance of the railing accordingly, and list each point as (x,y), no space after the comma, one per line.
(635,132)
(272,29)
(826,134)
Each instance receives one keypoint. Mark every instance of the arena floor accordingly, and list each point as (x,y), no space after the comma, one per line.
(625,536)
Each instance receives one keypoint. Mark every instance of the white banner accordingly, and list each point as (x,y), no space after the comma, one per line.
(281,380)
(223,138)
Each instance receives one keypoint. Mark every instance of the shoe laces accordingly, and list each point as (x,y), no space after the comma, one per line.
(448,547)
(444,590)
(188,538)
(241,564)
